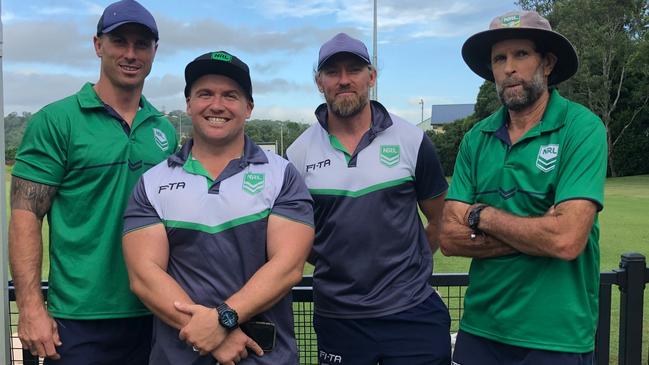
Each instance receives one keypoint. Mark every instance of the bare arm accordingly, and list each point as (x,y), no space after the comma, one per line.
(288,244)
(146,253)
(455,236)
(432,209)
(30,202)
(561,233)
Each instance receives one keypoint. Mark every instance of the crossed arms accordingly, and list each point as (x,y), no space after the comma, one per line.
(562,232)
(146,252)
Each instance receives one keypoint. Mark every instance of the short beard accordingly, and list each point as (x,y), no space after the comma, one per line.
(532,91)
(347,107)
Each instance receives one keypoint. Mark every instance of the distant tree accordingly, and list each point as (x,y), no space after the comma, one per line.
(611,39)
(14,126)
(10,154)
(487,101)
(447,143)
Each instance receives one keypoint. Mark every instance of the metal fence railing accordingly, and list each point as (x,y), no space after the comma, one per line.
(630,278)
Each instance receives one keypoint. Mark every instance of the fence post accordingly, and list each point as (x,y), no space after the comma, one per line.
(633,267)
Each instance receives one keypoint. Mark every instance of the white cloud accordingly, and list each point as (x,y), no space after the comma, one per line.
(32,91)
(299,9)
(48,42)
(277,112)
(406,18)
(53,10)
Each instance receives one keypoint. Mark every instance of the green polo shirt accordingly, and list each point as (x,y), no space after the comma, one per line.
(76,145)
(530,301)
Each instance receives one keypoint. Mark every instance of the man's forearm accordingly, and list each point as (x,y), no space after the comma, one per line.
(457,241)
(25,257)
(432,235)
(561,233)
(265,288)
(158,291)
(30,201)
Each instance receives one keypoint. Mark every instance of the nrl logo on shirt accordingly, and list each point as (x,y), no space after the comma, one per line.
(160,139)
(253,183)
(546,161)
(389,155)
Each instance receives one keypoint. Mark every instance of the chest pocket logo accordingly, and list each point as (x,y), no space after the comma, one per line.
(160,139)
(546,161)
(389,155)
(253,183)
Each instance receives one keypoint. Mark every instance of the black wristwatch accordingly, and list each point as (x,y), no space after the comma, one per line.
(228,317)
(474,217)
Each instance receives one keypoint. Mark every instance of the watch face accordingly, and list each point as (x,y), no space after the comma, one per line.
(228,318)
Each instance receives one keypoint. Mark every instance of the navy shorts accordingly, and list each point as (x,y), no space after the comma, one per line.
(417,336)
(124,341)
(475,350)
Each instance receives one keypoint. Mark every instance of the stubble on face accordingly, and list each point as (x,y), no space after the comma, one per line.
(531,91)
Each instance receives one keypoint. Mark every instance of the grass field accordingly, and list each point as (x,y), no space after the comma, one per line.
(623,224)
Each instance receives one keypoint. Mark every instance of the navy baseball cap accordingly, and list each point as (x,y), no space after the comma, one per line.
(123,12)
(341,42)
(218,63)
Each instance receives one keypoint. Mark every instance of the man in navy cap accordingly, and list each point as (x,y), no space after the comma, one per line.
(78,162)
(368,172)
(523,203)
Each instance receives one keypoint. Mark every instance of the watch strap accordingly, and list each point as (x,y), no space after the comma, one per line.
(474,217)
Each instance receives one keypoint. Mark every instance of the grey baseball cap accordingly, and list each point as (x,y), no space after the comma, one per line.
(476,51)
(341,42)
(123,12)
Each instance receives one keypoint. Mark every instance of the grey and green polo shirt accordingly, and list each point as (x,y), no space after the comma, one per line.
(531,301)
(217,229)
(370,253)
(81,147)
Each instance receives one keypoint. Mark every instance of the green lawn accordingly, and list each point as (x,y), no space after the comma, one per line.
(623,225)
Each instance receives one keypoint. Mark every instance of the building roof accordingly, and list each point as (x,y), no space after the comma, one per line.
(425,125)
(447,113)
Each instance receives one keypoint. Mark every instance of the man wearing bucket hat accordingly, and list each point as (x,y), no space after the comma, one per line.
(523,203)
(78,162)
(218,234)
(368,171)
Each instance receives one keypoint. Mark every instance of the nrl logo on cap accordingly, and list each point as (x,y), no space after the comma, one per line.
(160,139)
(253,183)
(389,155)
(512,21)
(221,56)
(546,161)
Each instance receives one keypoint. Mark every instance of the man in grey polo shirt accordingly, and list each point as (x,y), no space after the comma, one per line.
(368,171)
(218,234)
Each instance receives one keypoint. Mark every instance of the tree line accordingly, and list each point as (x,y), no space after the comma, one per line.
(259,130)
(612,41)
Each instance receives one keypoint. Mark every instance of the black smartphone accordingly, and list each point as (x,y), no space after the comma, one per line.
(261,332)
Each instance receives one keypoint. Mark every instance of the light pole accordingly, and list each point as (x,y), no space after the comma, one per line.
(421,101)
(374,92)
(281,139)
(5,336)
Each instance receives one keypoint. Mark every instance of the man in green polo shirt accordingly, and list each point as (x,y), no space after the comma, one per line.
(78,162)
(523,203)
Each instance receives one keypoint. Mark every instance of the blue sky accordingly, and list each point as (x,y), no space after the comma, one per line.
(48,51)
